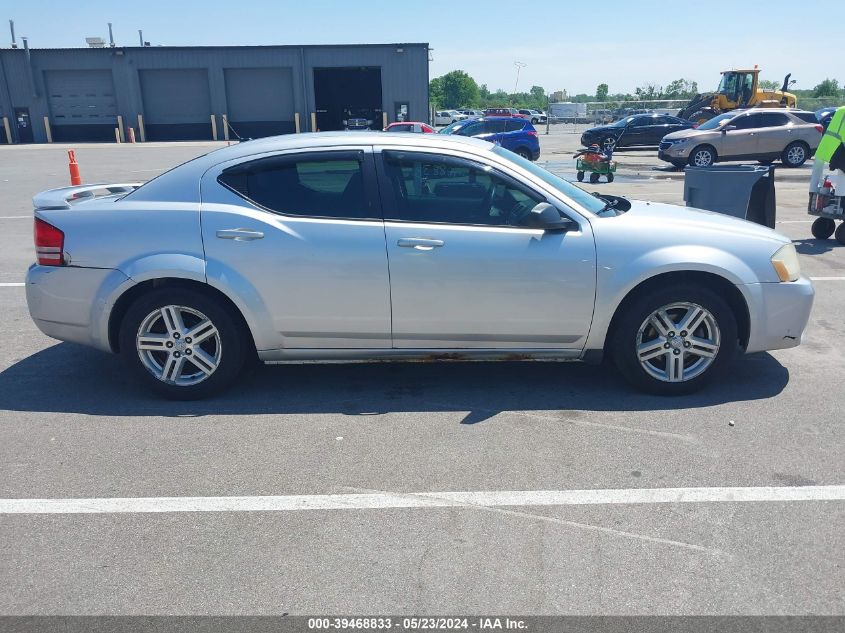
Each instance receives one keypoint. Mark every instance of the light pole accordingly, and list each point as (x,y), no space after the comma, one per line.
(519,66)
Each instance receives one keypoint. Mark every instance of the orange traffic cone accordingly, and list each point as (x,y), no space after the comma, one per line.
(73,166)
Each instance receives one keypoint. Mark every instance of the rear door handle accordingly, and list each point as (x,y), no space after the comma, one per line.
(239,235)
(419,243)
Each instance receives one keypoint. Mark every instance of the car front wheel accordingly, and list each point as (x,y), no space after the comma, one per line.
(703,156)
(182,344)
(673,341)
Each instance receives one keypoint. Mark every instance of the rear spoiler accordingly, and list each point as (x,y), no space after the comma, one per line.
(64,197)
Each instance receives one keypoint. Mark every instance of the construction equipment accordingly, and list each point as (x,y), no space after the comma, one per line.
(737,89)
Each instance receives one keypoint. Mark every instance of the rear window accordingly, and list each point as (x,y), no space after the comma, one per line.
(317,185)
(514,126)
(807,117)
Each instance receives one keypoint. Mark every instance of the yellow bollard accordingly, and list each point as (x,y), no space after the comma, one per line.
(141,129)
(47,128)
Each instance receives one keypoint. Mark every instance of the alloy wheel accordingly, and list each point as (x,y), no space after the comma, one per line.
(678,342)
(796,155)
(179,345)
(702,158)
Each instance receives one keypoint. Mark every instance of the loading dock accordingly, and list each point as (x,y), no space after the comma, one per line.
(343,93)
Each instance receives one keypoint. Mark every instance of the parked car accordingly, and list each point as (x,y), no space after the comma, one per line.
(357,123)
(387,246)
(635,130)
(445,117)
(824,115)
(503,112)
(472,114)
(515,134)
(601,117)
(410,126)
(761,134)
(535,116)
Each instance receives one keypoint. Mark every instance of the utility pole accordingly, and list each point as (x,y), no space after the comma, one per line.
(519,66)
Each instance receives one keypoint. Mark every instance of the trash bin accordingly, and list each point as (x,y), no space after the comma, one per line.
(743,191)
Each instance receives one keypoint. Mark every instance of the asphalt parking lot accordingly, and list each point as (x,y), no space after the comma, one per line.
(387,440)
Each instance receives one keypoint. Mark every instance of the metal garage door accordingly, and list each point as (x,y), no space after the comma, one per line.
(82,105)
(260,101)
(177,104)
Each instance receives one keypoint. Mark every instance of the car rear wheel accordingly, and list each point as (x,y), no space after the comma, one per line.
(524,153)
(182,344)
(823,228)
(795,154)
(608,142)
(840,233)
(702,156)
(672,341)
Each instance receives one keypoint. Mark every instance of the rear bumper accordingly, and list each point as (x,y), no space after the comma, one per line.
(74,304)
(782,314)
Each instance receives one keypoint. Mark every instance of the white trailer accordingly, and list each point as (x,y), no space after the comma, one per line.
(568,111)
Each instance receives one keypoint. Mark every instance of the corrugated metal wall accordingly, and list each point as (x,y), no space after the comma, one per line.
(278,77)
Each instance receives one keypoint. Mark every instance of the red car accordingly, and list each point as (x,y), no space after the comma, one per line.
(410,126)
(504,112)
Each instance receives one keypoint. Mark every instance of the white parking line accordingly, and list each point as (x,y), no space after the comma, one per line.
(793,221)
(386,500)
(12,284)
(827,278)
(15,217)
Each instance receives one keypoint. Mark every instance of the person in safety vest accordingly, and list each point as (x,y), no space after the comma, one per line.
(832,147)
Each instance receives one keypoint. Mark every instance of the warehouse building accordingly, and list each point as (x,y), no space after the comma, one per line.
(206,92)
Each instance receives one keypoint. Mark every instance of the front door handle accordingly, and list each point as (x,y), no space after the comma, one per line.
(239,235)
(419,243)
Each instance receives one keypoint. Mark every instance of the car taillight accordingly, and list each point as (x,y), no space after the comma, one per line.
(695,126)
(49,244)
(532,132)
(820,129)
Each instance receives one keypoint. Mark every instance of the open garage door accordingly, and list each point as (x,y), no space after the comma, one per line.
(344,93)
(82,105)
(177,104)
(260,101)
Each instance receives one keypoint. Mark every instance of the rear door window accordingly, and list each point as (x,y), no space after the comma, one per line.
(514,126)
(329,184)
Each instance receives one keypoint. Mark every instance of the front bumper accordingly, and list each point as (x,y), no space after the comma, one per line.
(73,304)
(781,314)
(675,155)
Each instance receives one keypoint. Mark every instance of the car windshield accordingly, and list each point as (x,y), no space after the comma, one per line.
(586,200)
(453,127)
(717,122)
(621,122)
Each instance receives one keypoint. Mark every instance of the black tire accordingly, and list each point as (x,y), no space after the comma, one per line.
(580,176)
(535,121)
(823,228)
(234,344)
(697,157)
(840,233)
(594,177)
(623,339)
(524,153)
(609,141)
(795,154)
(609,177)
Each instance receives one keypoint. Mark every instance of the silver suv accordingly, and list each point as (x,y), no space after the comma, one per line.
(763,135)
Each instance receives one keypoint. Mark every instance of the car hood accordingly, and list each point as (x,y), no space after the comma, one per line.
(599,129)
(688,133)
(679,219)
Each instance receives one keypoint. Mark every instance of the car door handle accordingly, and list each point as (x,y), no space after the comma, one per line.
(419,243)
(239,235)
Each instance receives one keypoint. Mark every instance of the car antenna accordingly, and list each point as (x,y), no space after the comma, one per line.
(237,136)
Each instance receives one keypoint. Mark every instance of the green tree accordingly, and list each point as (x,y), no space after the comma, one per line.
(649,92)
(457,89)
(769,84)
(680,89)
(435,92)
(827,88)
(601,92)
(538,98)
(484,92)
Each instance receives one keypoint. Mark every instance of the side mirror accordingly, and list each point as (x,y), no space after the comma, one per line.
(728,127)
(545,216)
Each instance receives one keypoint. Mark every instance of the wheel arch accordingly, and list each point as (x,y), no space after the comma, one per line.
(126,299)
(721,285)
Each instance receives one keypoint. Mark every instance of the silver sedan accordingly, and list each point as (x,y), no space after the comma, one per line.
(340,246)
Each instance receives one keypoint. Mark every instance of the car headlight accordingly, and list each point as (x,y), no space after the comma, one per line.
(785,262)
(678,141)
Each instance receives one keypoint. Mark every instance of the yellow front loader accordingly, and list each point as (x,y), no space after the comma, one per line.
(737,89)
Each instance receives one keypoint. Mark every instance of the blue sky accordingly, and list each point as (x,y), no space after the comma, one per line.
(566,45)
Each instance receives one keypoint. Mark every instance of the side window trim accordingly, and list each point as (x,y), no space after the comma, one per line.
(388,196)
(364,156)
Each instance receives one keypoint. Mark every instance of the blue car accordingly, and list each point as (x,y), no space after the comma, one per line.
(513,133)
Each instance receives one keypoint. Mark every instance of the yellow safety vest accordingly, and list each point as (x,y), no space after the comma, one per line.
(833,137)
